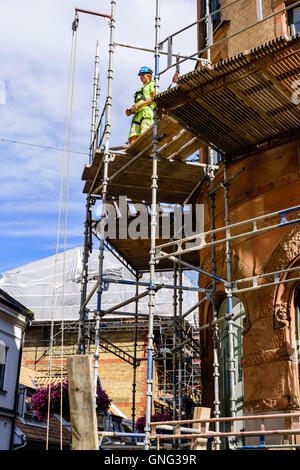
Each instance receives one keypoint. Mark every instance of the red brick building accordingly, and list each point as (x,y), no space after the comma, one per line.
(267,332)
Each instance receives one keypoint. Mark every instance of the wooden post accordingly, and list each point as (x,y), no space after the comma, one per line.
(200,413)
(82,408)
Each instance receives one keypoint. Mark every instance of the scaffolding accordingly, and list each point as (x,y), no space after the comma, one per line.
(154,169)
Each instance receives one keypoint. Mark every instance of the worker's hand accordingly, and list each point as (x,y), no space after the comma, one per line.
(176,77)
(132,110)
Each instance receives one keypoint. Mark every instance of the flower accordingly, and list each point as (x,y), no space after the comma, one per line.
(59,401)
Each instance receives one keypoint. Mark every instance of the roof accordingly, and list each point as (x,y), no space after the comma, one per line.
(241,102)
(29,377)
(13,303)
(32,378)
(37,433)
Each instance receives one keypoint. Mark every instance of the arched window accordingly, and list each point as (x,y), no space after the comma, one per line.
(239,312)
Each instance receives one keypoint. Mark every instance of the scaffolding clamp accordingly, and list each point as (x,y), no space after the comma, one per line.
(228,288)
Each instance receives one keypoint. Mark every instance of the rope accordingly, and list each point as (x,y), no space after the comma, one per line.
(57,235)
(65,246)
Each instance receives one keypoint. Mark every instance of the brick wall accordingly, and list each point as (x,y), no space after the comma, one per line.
(116,375)
(240,16)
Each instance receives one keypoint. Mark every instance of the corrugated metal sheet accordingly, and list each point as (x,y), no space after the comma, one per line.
(240,102)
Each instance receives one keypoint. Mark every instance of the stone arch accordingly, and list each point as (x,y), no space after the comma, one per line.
(284,256)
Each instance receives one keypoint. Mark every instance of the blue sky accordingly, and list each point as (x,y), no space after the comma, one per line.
(35,48)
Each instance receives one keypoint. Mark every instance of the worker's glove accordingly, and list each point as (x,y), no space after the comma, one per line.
(176,77)
(131,110)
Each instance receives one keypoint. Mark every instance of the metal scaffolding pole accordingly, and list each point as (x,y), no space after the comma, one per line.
(180,338)
(164,286)
(174,356)
(149,393)
(215,331)
(104,191)
(88,219)
(84,279)
(135,353)
(209,30)
(180,355)
(229,299)
(93,142)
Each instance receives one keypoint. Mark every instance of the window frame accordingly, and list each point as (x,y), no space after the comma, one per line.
(291,21)
(3,371)
(213,6)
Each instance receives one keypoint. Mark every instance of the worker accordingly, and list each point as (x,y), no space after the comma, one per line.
(142,109)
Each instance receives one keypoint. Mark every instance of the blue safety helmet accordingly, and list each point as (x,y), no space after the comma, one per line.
(145,70)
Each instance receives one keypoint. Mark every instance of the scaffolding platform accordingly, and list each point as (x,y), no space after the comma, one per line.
(177,178)
(136,253)
(176,143)
(241,102)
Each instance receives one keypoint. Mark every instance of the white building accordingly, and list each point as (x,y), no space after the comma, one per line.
(14,318)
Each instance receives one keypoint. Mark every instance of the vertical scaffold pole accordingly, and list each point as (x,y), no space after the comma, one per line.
(180,339)
(135,352)
(229,296)
(180,355)
(84,278)
(94,104)
(149,393)
(104,190)
(209,30)
(88,218)
(174,358)
(215,331)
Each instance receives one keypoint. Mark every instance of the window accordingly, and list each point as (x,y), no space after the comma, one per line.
(216,19)
(238,311)
(213,6)
(294,21)
(217,157)
(25,413)
(3,357)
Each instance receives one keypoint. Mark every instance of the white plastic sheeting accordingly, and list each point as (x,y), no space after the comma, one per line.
(33,286)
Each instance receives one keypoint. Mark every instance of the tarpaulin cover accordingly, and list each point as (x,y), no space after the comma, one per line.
(51,287)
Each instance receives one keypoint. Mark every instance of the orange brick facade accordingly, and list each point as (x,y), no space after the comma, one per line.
(269,183)
(239,17)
